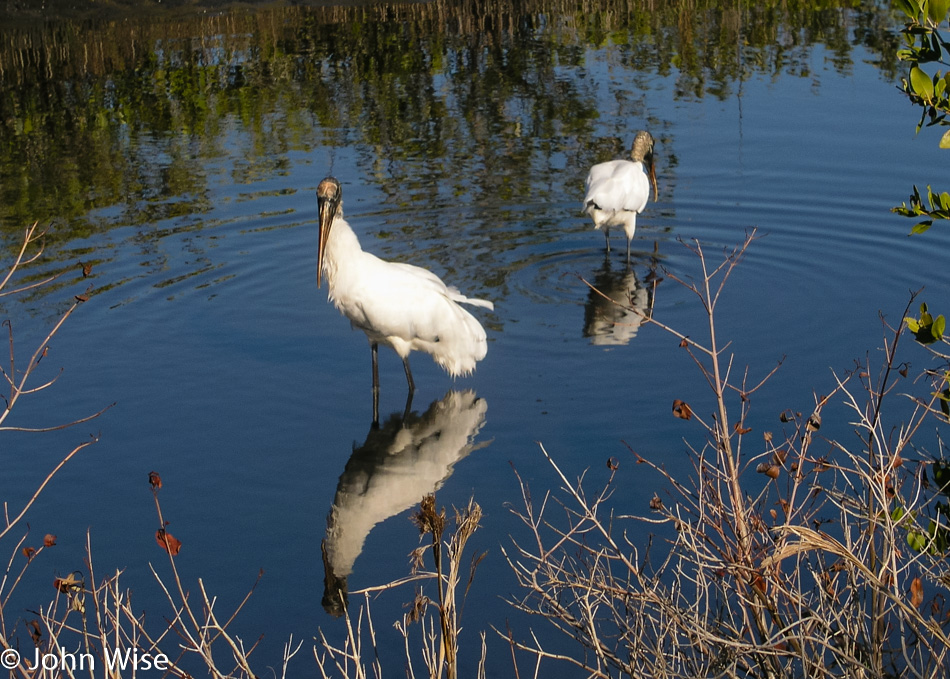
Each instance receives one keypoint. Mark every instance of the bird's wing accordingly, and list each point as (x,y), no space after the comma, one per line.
(437,285)
(393,299)
(617,185)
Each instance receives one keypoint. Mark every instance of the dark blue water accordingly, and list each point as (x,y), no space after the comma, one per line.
(237,381)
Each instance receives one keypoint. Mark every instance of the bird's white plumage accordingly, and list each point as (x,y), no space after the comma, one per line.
(617,191)
(403,306)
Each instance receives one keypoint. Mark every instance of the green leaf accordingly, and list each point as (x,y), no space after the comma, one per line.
(937,10)
(921,83)
(908,8)
(942,474)
(916,541)
(926,329)
(922,227)
(945,140)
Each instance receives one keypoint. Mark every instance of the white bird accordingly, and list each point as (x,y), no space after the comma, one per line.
(400,305)
(618,190)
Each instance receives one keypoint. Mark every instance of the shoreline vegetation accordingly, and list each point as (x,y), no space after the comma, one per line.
(774,558)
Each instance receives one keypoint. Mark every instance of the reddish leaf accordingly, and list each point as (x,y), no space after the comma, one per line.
(656,504)
(768,469)
(49,540)
(168,542)
(681,410)
(684,343)
(29,553)
(612,464)
(916,592)
(154,480)
(739,429)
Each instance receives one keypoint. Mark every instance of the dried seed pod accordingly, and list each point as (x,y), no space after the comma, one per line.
(154,480)
(682,410)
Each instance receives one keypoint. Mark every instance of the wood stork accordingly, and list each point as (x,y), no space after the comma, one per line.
(618,190)
(400,305)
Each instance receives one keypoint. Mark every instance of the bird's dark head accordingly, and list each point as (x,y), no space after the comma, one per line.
(642,152)
(329,207)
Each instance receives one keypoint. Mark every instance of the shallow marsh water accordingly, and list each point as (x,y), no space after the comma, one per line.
(181,159)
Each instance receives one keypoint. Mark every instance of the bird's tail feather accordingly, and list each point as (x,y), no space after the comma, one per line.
(457,296)
(459,351)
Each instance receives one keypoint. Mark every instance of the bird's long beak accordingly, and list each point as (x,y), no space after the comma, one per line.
(326,207)
(656,193)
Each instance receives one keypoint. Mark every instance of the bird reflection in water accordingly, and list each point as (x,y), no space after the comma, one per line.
(406,458)
(618,304)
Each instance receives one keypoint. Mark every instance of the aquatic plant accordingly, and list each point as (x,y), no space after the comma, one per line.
(924,46)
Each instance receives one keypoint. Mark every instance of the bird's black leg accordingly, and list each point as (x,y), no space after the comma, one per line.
(412,389)
(607,238)
(408,409)
(375,350)
(412,385)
